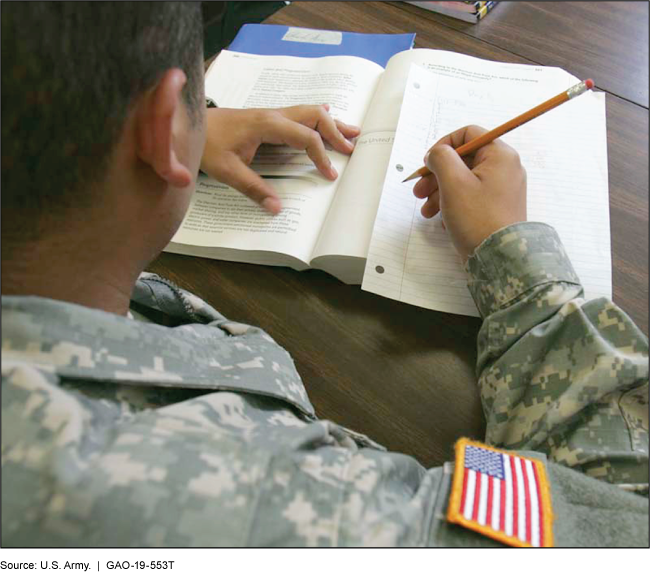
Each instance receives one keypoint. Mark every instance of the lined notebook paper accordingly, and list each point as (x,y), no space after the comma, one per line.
(411,259)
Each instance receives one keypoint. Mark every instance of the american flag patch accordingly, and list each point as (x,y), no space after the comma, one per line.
(502,495)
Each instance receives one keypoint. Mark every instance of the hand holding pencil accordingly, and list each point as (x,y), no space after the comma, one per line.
(476,181)
(471,146)
(477,195)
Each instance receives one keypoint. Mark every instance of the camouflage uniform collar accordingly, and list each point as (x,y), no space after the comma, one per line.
(205,350)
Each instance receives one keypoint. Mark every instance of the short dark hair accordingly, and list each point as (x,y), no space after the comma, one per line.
(70,72)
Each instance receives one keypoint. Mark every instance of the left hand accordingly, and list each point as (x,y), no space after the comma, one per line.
(233,137)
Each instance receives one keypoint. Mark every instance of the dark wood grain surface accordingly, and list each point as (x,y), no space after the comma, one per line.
(604,40)
(404,375)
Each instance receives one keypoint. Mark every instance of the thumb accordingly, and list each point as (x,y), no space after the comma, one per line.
(238,175)
(449,168)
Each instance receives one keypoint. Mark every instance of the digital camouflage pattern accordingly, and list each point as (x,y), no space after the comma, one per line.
(558,374)
(118,431)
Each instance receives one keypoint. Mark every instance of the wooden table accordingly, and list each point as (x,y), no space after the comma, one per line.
(404,375)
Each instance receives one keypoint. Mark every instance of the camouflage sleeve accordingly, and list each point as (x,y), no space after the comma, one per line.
(557,373)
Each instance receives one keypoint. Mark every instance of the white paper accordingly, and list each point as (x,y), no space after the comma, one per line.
(346,83)
(309,36)
(222,217)
(411,259)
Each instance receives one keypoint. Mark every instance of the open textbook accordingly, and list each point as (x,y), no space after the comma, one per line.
(367,213)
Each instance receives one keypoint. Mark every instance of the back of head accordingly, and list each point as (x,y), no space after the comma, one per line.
(70,73)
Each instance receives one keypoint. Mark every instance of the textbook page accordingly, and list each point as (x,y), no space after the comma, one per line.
(345,235)
(357,198)
(347,83)
(222,223)
(411,259)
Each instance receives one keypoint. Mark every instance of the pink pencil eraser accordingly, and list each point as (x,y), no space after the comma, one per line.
(589,84)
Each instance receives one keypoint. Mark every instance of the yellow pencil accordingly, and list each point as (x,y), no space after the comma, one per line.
(473,145)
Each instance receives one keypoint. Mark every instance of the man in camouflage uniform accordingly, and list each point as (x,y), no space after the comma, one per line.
(118,430)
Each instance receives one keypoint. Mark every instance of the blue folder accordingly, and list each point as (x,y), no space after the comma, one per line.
(269,39)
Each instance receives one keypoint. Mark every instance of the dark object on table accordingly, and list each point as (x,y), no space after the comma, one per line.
(219,27)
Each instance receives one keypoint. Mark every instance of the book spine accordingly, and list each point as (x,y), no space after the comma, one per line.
(471,7)
(477,5)
(483,12)
(465,8)
(452,9)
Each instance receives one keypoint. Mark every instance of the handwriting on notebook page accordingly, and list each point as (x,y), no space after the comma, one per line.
(564,153)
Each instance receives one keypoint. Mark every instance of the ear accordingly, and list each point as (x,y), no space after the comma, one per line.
(155,129)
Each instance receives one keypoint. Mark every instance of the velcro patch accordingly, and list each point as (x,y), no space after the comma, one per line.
(501,495)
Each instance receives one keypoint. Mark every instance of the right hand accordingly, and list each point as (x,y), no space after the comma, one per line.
(477,194)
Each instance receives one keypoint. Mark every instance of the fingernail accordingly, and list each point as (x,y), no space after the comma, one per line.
(333,173)
(272,205)
(426,160)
